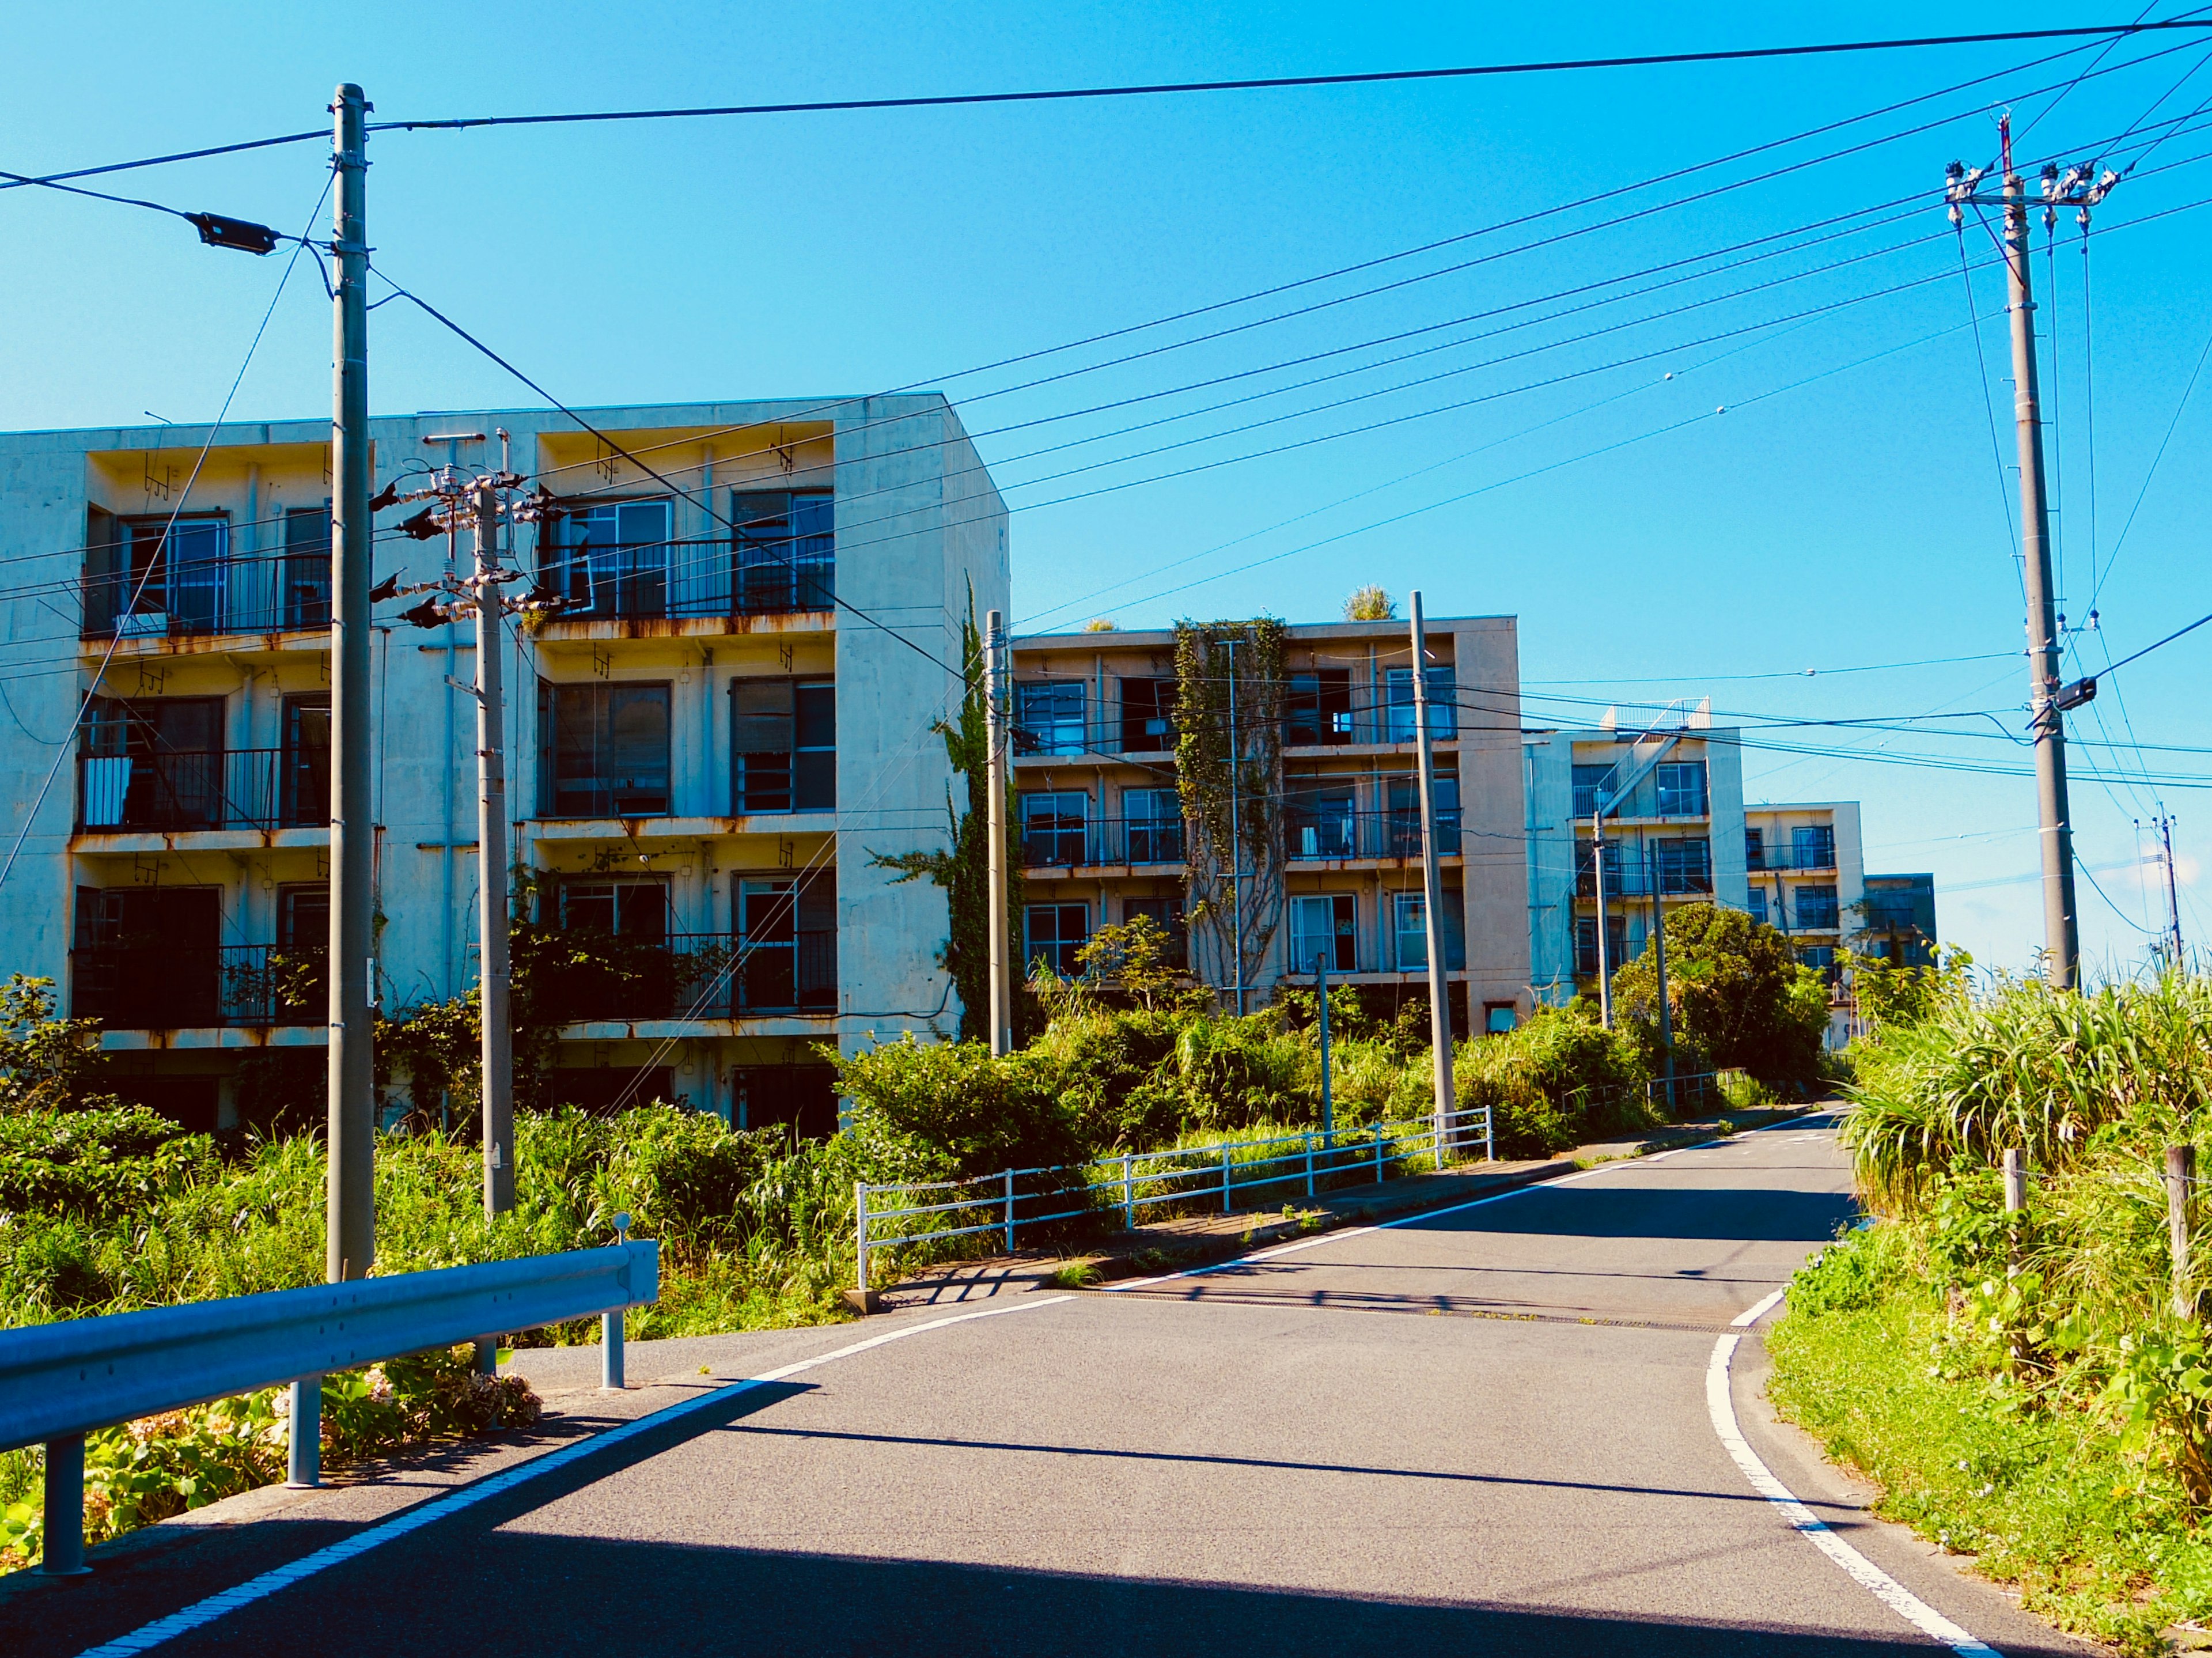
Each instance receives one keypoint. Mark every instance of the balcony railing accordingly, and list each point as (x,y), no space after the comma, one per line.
(1643,802)
(688,580)
(1106,840)
(1146,729)
(253,594)
(1636,881)
(689,975)
(186,789)
(1784,863)
(162,987)
(1311,836)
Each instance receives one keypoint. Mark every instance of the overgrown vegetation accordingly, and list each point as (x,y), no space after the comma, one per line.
(2022,1385)
(1229,746)
(1737,998)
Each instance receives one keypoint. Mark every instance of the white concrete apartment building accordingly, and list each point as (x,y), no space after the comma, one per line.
(1103,827)
(705,745)
(1806,874)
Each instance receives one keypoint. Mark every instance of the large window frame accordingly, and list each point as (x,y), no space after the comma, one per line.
(783,551)
(784,929)
(1324,924)
(1051,934)
(1399,713)
(783,745)
(604,749)
(1048,717)
(606,559)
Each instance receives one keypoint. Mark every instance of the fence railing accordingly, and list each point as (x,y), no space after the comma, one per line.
(1191,1177)
(1636,881)
(191,789)
(1778,862)
(1048,843)
(172,986)
(690,578)
(247,594)
(60,1381)
(1311,836)
(691,975)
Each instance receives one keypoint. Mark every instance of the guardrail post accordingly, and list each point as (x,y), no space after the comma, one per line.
(1310,1185)
(64,1516)
(1378,1154)
(861,1222)
(1128,1204)
(2180,1175)
(1224,1180)
(1010,1212)
(303,1454)
(610,1351)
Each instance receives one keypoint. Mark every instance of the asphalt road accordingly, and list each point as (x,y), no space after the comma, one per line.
(1479,1431)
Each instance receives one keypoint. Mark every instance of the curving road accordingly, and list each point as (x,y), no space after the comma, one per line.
(1499,1428)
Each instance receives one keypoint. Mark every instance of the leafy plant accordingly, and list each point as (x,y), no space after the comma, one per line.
(46,1063)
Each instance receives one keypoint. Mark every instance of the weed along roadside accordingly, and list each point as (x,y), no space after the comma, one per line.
(2029,1386)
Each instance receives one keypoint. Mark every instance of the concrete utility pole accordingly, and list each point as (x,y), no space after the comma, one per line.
(349,1247)
(1328,1101)
(1432,889)
(493,976)
(1235,842)
(1002,1020)
(2047,699)
(2173,897)
(1597,865)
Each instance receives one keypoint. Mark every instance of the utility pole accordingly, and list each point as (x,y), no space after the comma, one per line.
(1432,889)
(493,978)
(2047,698)
(349,1239)
(1659,941)
(1597,865)
(2172,895)
(994,819)
(1235,842)
(1328,1103)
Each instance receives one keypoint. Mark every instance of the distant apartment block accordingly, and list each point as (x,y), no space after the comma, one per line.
(1900,919)
(705,745)
(1101,819)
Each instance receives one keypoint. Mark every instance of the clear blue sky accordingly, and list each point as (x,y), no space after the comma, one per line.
(1857,520)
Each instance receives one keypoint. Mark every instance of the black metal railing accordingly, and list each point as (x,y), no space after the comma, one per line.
(166,986)
(1048,845)
(1644,801)
(257,593)
(1779,862)
(1312,836)
(690,580)
(1637,881)
(595,976)
(188,789)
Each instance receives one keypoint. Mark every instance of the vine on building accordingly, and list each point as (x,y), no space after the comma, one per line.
(1229,749)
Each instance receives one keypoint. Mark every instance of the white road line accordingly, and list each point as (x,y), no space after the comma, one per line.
(1751,1315)
(203,1613)
(1887,1590)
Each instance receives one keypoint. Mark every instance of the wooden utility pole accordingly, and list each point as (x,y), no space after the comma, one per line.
(1432,889)
(1002,1017)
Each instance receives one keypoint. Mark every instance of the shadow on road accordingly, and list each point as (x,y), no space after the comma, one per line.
(1612,1210)
(518,1592)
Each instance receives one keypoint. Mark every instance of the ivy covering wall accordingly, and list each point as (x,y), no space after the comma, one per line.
(1228,752)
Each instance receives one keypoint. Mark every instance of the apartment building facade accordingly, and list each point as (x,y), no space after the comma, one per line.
(1806,875)
(1103,823)
(727,716)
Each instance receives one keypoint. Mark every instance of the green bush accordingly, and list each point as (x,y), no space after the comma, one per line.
(1558,1081)
(1737,999)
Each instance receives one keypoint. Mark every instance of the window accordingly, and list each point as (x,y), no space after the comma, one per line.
(610,559)
(1756,908)
(783,745)
(305,775)
(1052,933)
(299,988)
(147,958)
(1616,944)
(1497,1018)
(623,909)
(1444,705)
(1586,870)
(786,547)
(602,1089)
(308,567)
(602,750)
(1404,827)
(1684,864)
(1055,824)
(155,763)
(1167,913)
(1048,717)
(1812,845)
(1589,781)
(1755,848)
(1816,908)
(1682,788)
(1318,709)
(146,577)
(787,939)
(1819,955)
(1410,912)
(303,915)
(1320,821)
(1147,715)
(1327,927)
(801,1097)
(1153,825)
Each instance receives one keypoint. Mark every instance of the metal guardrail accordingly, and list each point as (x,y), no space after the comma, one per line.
(60,1381)
(185,789)
(1132,1181)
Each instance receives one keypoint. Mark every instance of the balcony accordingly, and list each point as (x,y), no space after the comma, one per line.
(1778,862)
(180,598)
(1694,880)
(689,975)
(679,580)
(1314,836)
(170,790)
(163,987)
(1060,844)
